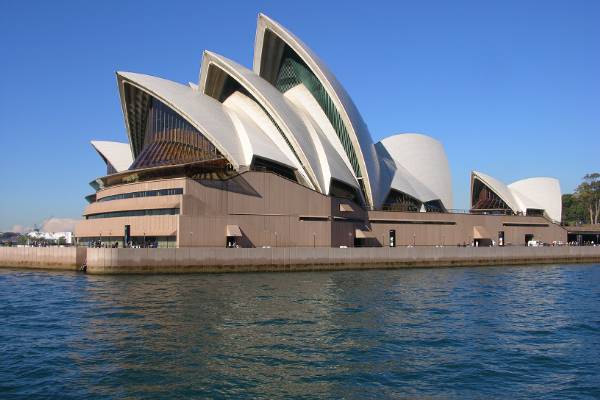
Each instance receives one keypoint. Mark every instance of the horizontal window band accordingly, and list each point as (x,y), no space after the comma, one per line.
(134,213)
(524,224)
(410,222)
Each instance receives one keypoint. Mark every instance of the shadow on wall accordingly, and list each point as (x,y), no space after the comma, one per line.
(236,184)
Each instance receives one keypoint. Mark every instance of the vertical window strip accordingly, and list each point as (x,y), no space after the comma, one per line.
(293,73)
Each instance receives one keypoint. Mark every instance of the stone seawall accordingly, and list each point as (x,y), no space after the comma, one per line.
(64,258)
(185,260)
(182,260)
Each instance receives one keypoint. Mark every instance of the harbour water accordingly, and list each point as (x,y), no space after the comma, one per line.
(488,332)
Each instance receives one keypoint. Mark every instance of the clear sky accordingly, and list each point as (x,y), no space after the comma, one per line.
(512,88)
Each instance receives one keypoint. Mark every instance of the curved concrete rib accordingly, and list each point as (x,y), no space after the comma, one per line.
(425,160)
(370,168)
(201,111)
(273,102)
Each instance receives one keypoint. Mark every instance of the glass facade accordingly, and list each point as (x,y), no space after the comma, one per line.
(146,193)
(399,201)
(160,136)
(292,72)
(134,213)
(434,206)
(171,140)
(264,165)
(486,199)
(345,191)
(137,103)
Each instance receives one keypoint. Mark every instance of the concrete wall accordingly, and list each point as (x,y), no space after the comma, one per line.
(69,258)
(451,229)
(102,261)
(273,211)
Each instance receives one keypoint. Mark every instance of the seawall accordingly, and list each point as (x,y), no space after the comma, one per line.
(185,260)
(59,258)
(114,261)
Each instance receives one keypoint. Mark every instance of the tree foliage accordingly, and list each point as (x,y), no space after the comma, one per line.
(583,206)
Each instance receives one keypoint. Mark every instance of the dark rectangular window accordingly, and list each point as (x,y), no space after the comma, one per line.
(134,213)
(146,193)
(417,222)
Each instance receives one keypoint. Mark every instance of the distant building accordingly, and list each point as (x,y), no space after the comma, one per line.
(276,155)
(51,236)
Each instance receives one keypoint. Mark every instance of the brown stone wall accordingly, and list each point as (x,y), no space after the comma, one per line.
(156,225)
(410,226)
(263,204)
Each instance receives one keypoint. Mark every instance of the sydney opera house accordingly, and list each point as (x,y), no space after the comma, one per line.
(279,155)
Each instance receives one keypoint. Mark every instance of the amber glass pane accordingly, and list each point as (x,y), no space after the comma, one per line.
(171,140)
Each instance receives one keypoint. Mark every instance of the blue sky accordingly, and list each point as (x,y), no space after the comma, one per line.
(512,88)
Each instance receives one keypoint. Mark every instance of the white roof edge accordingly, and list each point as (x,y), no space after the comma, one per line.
(118,154)
(498,187)
(201,111)
(355,125)
(274,103)
(537,192)
(424,159)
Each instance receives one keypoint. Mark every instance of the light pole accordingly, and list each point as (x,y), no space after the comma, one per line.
(100,239)
(109,238)
(314,240)
(275,239)
(144,239)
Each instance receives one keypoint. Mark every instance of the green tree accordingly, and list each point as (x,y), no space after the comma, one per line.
(588,195)
(573,211)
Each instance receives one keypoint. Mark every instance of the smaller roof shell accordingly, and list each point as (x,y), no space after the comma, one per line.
(116,153)
(498,187)
(540,193)
(424,159)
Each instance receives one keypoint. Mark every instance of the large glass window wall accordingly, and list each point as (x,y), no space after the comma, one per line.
(485,198)
(160,136)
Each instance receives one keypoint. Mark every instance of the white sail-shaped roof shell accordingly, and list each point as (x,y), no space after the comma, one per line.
(116,154)
(276,106)
(532,193)
(422,165)
(497,187)
(371,169)
(332,158)
(257,133)
(201,111)
(541,193)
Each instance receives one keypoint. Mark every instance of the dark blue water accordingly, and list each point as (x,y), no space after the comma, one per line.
(495,332)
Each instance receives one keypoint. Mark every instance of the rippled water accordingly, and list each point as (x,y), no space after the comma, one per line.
(495,332)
